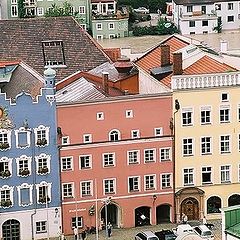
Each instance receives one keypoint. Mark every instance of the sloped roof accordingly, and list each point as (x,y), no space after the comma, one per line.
(22,39)
(204,65)
(198,2)
(21,79)
(152,59)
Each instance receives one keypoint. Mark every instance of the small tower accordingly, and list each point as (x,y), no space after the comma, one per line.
(49,84)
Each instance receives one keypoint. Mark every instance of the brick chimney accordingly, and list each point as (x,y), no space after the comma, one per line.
(177,63)
(165,55)
(123,66)
(105,82)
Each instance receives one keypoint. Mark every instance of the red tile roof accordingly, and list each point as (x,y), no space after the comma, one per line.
(153,58)
(8,63)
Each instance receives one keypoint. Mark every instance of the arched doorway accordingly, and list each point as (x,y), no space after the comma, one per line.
(142,216)
(11,230)
(163,214)
(214,204)
(234,200)
(112,214)
(190,207)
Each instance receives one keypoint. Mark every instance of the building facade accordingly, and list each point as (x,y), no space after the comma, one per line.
(207,143)
(29,173)
(116,162)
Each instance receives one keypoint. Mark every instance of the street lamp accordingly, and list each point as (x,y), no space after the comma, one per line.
(106,202)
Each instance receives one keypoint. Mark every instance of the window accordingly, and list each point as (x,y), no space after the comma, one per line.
(133,157)
(23,166)
(214,204)
(85,161)
(239,172)
(5,167)
(225,174)
(224,114)
(230,6)
(65,140)
(43,192)
(114,135)
(100,116)
(218,7)
(239,142)
(150,182)
(206,145)
(239,112)
(187,117)
(189,8)
(41,136)
(53,53)
(111,26)
(129,113)
(133,184)
(25,194)
(109,186)
(87,138)
(99,37)
(187,147)
(111,36)
(158,132)
(5,139)
(206,115)
(165,154)
(135,134)
(99,26)
(86,188)
(23,138)
(67,163)
(77,222)
(14,10)
(67,189)
(40,11)
(109,159)
(191,33)
(230,18)
(188,176)
(43,164)
(166,180)
(204,9)
(6,194)
(83,26)
(149,155)
(225,97)
(206,175)
(225,144)
(205,23)
(191,23)
(41,227)
(81,9)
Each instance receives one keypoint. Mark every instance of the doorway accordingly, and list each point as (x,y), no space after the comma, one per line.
(190,207)
(11,230)
(163,214)
(112,214)
(142,216)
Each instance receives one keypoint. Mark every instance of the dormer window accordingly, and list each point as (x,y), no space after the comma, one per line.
(53,53)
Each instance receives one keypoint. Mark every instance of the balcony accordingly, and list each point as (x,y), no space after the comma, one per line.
(109,15)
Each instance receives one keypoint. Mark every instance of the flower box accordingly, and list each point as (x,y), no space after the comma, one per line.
(43,170)
(6,203)
(24,172)
(4,145)
(42,142)
(5,174)
(43,199)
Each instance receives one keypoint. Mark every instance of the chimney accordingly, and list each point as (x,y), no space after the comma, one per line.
(223,46)
(123,66)
(105,82)
(177,63)
(165,55)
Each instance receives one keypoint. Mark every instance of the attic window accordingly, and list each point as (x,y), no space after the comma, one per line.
(53,53)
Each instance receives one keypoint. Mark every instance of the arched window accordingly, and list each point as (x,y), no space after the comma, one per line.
(234,200)
(114,135)
(214,204)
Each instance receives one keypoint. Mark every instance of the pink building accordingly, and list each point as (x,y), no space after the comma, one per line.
(116,161)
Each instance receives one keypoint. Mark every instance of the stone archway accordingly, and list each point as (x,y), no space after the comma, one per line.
(190,207)
(142,216)
(11,230)
(112,214)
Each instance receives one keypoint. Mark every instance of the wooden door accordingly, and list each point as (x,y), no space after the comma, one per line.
(190,207)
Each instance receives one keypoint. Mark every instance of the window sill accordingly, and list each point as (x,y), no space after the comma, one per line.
(225,152)
(190,155)
(206,154)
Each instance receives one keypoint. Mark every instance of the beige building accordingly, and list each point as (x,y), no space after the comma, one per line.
(207,131)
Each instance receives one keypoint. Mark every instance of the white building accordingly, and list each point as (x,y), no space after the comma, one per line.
(199,17)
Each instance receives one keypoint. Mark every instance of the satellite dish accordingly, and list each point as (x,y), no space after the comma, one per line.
(167,25)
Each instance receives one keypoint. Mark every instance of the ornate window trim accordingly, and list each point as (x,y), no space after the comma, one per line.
(23,130)
(6,187)
(43,143)
(9,161)
(21,158)
(48,157)
(25,186)
(8,132)
(49,190)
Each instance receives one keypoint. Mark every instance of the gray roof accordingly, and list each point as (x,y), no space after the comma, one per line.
(80,89)
(199,2)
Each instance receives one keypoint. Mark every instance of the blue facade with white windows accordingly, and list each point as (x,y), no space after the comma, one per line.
(29,165)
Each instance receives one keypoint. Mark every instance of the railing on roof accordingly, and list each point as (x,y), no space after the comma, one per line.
(205,80)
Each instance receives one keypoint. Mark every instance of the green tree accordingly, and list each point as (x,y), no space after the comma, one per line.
(21,9)
(57,10)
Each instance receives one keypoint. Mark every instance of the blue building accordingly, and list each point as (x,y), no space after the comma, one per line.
(29,166)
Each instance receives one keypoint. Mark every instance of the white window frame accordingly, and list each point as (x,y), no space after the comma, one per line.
(188,144)
(109,24)
(42,128)
(30,189)
(100,116)
(99,26)
(205,109)
(5,188)
(90,161)
(225,142)
(114,135)
(84,26)
(91,188)
(129,113)
(72,190)
(49,190)
(152,155)
(16,10)
(169,183)
(136,188)
(188,119)
(112,36)
(48,159)
(9,161)
(40,11)
(113,159)
(27,132)
(113,183)
(167,151)
(65,140)
(158,131)
(80,8)
(42,226)
(128,157)
(135,132)
(226,114)
(99,37)
(229,171)
(154,182)
(67,158)
(29,167)
(189,183)
(8,133)
(85,136)
(207,171)
(205,145)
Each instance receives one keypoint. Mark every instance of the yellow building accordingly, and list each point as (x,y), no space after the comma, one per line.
(207,143)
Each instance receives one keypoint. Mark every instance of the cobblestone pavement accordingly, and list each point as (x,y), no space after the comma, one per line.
(128,234)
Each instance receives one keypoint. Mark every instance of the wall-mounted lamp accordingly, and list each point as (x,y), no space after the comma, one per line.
(177,105)
(154,197)
(56,212)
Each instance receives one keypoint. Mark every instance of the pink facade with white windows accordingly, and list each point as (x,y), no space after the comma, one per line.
(116,161)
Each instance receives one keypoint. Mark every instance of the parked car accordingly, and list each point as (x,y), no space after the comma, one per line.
(183,228)
(204,232)
(141,10)
(146,235)
(165,235)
